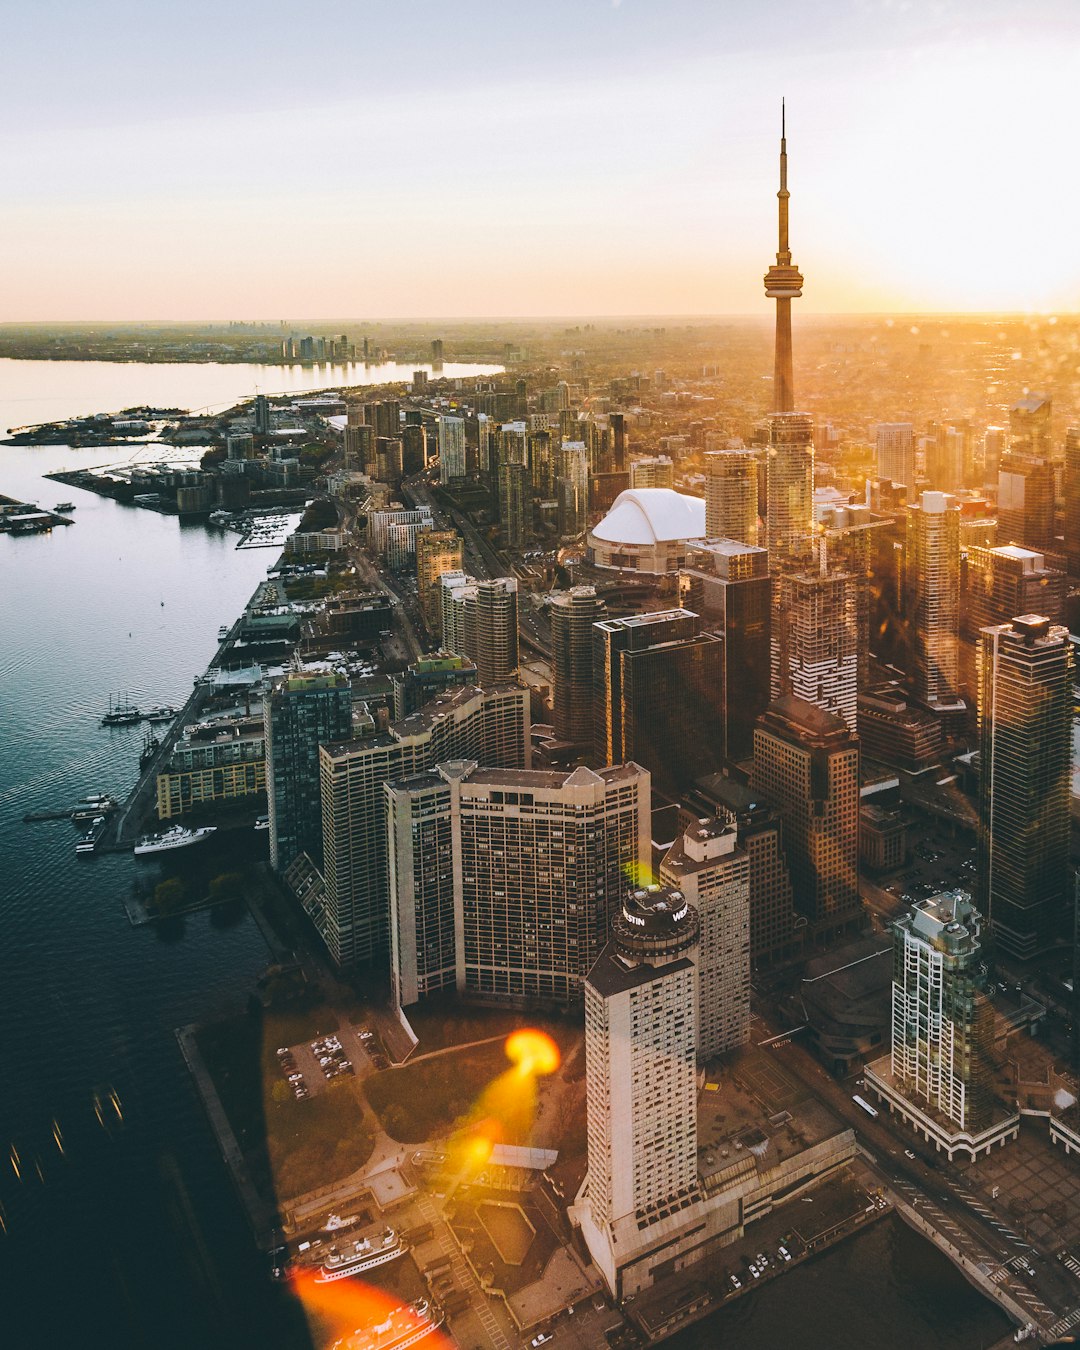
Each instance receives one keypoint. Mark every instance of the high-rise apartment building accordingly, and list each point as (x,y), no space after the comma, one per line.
(1030,425)
(1025,510)
(490,726)
(1001,582)
(932,597)
(806,764)
(653,471)
(641,1072)
(731,496)
(573,614)
(480,620)
(659,696)
(729,586)
(437,552)
(789,522)
(1072,500)
(895,445)
(503,882)
(451,448)
(815,638)
(300,713)
(707,865)
(1025,742)
(516,498)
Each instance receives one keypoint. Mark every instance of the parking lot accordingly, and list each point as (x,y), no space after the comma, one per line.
(311,1065)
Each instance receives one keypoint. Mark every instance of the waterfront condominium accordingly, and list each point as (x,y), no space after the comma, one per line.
(932,597)
(304,710)
(503,881)
(352,910)
(708,865)
(806,764)
(1025,741)
(659,696)
(573,614)
(731,496)
(641,1072)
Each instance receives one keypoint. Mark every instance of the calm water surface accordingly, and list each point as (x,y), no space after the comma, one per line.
(132,1237)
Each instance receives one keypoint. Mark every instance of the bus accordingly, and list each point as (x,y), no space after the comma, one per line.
(865,1105)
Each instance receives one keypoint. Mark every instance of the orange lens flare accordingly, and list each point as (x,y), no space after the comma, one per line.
(533,1052)
(350,1309)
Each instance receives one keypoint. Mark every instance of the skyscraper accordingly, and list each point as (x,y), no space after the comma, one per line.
(932,597)
(516,499)
(728,584)
(451,448)
(573,489)
(806,764)
(491,628)
(641,1072)
(503,881)
(789,523)
(707,865)
(731,504)
(1030,425)
(437,551)
(815,635)
(896,453)
(659,697)
(302,712)
(352,912)
(1072,500)
(783,283)
(1025,510)
(573,614)
(1025,739)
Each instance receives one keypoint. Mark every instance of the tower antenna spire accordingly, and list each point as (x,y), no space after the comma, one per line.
(783,283)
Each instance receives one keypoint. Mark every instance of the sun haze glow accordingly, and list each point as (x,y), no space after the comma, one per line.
(569,158)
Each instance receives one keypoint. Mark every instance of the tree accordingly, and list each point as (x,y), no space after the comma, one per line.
(169,895)
(226,886)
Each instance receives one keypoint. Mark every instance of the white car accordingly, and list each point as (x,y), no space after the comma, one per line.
(542,1338)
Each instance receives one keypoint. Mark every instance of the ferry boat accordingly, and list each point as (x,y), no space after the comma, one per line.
(64,506)
(88,842)
(164,712)
(223,632)
(176,837)
(403,1327)
(121,713)
(350,1258)
(94,805)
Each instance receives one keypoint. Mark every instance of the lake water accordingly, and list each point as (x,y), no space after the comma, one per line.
(132,1237)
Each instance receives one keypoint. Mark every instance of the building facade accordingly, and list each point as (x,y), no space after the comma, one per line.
(573,614)
(731,496)
(932,597)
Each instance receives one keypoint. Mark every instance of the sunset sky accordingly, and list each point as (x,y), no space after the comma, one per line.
(228,159)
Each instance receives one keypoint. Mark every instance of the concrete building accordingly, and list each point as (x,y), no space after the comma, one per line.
(806,764)
(515,497)
(503,882)
(729,585)
(490,726)
(1072,500)
(1025,506)
(303,711)
(709,867)
(437,551)
(932,598)
(1025,748)
(379,523)
(658,696)
(815,639)
(573,614)
(480,620)
(940,1074)
(451,448)
(212,764)
(895,449)
(731,496)
(425,679)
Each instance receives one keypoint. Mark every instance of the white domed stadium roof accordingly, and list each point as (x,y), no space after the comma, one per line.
(652,515)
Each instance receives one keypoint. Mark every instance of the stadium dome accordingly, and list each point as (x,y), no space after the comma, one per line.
(647,530)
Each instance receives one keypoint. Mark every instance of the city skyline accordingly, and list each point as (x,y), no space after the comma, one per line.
(611,159)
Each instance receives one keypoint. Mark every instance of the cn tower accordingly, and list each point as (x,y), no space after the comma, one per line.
(783,283)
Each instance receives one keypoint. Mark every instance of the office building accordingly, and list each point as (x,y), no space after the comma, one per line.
(516,502)
(932,597)
(573,490)
(451,448)
(413,447)
(573,614)
(815,639)
(731,497)
(1001,582)
(503,882)
(304,710)
(261,413)
(1025,742)
(806,765)
(895,445)
(729,586)
(437,552)
(1030,425)
(940,1074)
(351,911)
(1025,510)
(712,871)
(1072,500)
(659,696)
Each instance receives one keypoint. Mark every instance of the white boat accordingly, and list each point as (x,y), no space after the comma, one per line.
(350,1258)
(263,823)
(164,712)
(176,837)
(63,507)
(88,842)
(94,805)
(403,1327)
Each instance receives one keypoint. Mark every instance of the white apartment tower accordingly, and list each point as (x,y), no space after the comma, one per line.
(896,453)
(731,496)
(713,872)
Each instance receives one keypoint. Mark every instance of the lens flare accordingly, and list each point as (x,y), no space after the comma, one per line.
(534,1052)
(352,1309)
